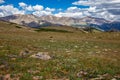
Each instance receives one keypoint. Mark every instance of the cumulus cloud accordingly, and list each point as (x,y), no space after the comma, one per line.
(49,9)
(29,8)
(41,13)
(22,4)
(74,12)
(108,9)
(25,6)
(67,14)
(6,10)
(71,12)
(73,9)
(37,10)
(38,7)
(2,1)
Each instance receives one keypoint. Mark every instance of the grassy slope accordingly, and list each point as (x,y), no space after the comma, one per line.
(97,53)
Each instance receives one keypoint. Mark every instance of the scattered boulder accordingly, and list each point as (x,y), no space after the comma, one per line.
(2,66)
(114,79)
(41,55)
(37,77)
(82,74)
(13,59)
(105,50)
(12,56)
(96,47)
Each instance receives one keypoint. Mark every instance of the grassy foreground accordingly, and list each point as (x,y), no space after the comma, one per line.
(75,55)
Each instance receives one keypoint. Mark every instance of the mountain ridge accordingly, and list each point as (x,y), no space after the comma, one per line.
(49,20)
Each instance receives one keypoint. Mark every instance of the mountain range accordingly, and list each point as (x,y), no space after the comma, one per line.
(49,20)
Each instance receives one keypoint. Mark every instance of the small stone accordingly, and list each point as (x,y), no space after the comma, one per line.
(13,59)
(37,77)
(12,56)
(76,46)
(2,66)
(114,79)
(105,50)
(86,42)
(96,46)
(81,74)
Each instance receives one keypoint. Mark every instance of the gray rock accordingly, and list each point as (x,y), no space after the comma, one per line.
(114,79)
(37,77)
(41,55)
(82,74)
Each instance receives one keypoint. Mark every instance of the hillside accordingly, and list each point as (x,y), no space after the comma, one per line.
(57,53)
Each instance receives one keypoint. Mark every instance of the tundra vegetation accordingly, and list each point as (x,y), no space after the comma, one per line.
(58,53)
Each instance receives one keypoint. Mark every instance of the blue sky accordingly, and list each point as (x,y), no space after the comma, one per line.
(63,4)
(108,9)
(45,3)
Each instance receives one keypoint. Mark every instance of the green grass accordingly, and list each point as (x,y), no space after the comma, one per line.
(96,53)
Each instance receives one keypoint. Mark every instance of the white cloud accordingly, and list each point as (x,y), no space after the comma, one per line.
(2,1)
(29,8)
(92,9)
(67,14)
(22,4)
(37,10)
(38,7)
(6,10)
(71,12)
(49,9)
(73,9)
(41,13)
(108,9)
